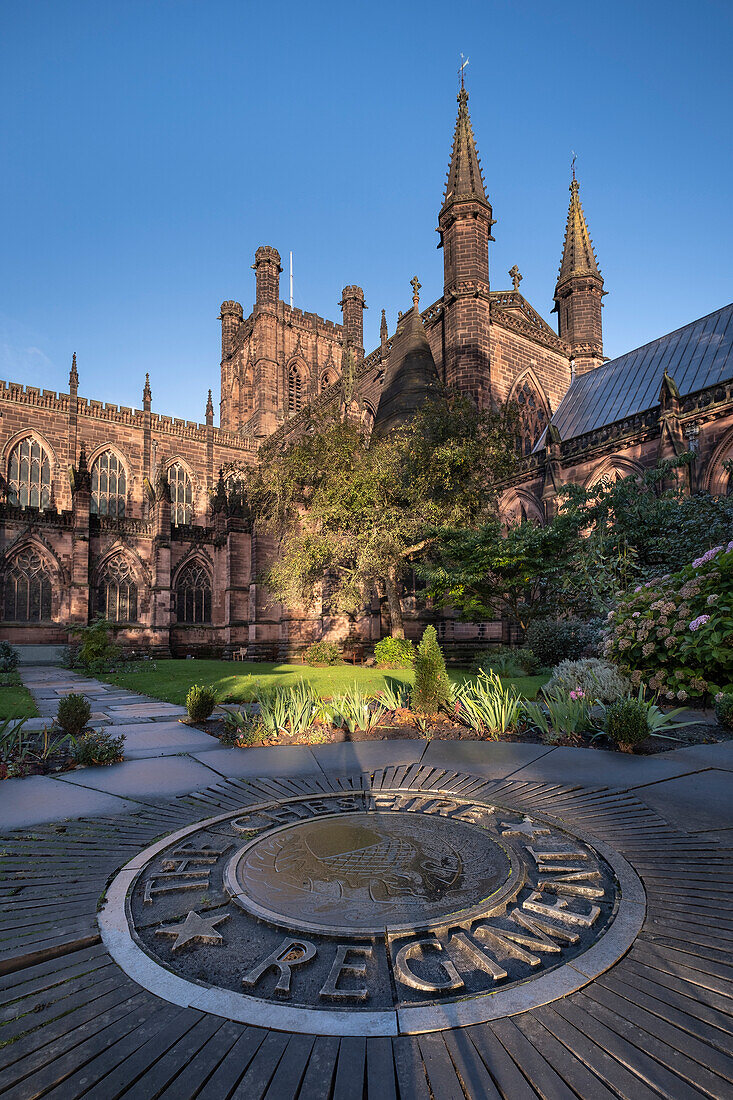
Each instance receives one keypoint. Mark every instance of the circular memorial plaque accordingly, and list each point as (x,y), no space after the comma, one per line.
(371,913)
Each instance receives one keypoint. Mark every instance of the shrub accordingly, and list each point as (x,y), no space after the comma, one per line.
(724,708)
(626,723)
(96,650)
(200,701)
(432,688)
(674,635)
(394,653)
(97,748)
(487,706)
(322,653)
(9,657)
(502,659)
(555,640)
(73,714)
(599,680)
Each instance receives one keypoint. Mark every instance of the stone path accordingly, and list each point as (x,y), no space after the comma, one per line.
(658,1023)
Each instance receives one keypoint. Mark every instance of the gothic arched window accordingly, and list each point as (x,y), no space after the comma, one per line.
(117,591)
(193,594)
(109,485)
(29,475)
(532,416)
(295,390)
(27,589)
(327,379)
(181,495)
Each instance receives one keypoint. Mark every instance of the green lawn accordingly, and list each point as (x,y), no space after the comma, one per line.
(235,682)
(15,700)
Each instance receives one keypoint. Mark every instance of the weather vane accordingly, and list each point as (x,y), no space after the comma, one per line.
(460,71)
(572,163)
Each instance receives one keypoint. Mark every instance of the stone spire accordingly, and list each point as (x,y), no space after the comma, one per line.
(73,375)
(578,257)
(465,182)
(383,328)
(209,409)
(147,395)
(579,290)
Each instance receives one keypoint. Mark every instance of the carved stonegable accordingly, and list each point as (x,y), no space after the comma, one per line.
(371,913)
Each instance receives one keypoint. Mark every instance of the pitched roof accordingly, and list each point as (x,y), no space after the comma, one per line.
(411,376)
(695,356)
(578,257)
(465,180)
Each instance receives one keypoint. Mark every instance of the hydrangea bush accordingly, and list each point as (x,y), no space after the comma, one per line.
(674,635)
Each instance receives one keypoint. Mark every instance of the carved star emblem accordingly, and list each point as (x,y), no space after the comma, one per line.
(194,927)
(526,828)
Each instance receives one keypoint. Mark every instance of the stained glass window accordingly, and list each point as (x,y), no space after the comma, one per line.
(29,475)
(27,589)
(193,594)
(109,485)
(117,591)
(181,495)
(532,416)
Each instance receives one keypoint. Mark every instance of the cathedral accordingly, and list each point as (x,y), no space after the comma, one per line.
(126,513)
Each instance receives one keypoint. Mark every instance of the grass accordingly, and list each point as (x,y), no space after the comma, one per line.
(15,700)
(235,682)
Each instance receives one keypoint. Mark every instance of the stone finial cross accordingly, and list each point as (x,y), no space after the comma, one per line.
(416,285)
(516,276)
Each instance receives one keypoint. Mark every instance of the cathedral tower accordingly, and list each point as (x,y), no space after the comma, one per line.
(464,223)
(579,290)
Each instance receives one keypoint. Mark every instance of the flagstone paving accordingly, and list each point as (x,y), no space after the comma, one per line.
(657,1023)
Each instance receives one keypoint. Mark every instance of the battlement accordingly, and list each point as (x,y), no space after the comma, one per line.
(31,395)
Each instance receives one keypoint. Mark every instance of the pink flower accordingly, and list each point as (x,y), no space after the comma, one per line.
(636,615)
(575,695)
(706,557)
(698,622)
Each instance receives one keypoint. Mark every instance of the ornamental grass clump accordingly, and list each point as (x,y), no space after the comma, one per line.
(98,749)
(560,713)
(200,702)
(595,677)
(432,688)
(674,635)
(73,714)
(354,710)
(487,706)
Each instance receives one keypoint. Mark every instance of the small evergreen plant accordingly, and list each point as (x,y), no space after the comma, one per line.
(200,702)
(432,687)
(73,714)
(9,657)
(626,723)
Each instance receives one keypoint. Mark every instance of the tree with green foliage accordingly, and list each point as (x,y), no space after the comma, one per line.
(360,513)
(432,687)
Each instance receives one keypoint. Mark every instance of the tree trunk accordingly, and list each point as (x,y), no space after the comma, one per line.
(395,607)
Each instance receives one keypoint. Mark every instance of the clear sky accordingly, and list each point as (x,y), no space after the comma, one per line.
(149,146)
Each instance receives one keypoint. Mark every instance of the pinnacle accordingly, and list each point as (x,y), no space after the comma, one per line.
(465,180)
(578,257)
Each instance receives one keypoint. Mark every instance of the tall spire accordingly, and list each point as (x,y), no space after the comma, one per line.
(73,373)
(578,257)
(465,182)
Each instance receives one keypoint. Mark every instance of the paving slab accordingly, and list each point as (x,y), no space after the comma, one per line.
(281,760)
(153,778)
(704,756)
(162,739)
(597,767)
(699,802)
(146,709)
(41,798)
(350,756)
(496,759)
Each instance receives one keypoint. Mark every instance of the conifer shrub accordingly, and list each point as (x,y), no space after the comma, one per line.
(322,653)
(724,708)
(9,657)
(626,723)
(394,653)
(73,714)
(200,701)
(432,687)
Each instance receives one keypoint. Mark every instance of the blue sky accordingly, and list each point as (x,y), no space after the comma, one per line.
(149,147)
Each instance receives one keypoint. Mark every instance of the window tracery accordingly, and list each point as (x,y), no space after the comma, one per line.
(295,390)
(532,416)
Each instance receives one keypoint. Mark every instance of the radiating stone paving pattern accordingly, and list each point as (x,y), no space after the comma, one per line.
(658,1023)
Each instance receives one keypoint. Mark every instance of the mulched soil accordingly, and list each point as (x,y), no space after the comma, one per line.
(402,725)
